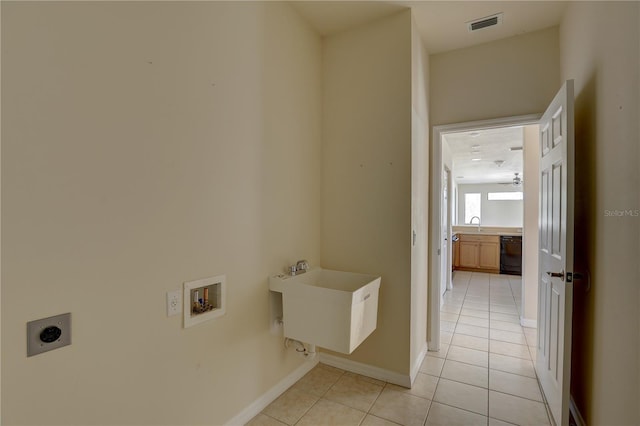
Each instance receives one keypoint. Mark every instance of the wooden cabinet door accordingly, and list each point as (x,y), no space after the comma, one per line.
(489,257)
(469,254)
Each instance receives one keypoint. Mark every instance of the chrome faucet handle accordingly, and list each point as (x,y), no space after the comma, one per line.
(302,265)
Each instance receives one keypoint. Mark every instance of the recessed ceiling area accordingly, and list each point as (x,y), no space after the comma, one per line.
(485,156)
(442,24)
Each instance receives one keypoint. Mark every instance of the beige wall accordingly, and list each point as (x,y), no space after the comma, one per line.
(144,145)
(599,50)
(419,196)
(505,78)
(367,174)
(531,188)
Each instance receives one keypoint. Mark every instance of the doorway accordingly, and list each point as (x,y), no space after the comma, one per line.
(445,212)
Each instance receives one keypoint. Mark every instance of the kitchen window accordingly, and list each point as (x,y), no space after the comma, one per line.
(505,196)
(471,207)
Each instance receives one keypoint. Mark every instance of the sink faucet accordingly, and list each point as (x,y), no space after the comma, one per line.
(300,267)
(471,221)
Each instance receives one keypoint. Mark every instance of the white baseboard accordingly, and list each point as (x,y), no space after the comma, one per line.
(269,396)
(366,370)
(415,368)
(575,412)
(527,322)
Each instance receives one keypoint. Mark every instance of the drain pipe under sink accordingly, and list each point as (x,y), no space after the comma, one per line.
(307,352)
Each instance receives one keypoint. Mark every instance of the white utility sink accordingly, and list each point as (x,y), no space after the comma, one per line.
(332,309)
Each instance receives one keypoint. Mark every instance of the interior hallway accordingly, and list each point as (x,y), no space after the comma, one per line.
(483,374)
(486,360)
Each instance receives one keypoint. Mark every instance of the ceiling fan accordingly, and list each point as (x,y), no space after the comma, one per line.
(516,182)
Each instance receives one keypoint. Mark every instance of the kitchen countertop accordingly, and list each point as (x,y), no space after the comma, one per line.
(499,234)
(487,230)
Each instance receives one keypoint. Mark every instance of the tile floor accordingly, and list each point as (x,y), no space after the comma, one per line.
(483,374)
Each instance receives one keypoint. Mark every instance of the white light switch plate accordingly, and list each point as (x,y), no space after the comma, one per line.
(174,302)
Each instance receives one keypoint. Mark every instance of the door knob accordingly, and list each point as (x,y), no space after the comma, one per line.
(556,274)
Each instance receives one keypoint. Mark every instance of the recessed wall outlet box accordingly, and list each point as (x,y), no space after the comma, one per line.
(47,334)
(174,302)
(204,300)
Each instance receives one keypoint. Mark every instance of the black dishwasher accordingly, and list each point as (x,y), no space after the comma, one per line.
(511,255)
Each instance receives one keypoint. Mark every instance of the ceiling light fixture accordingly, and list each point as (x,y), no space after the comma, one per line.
(515,148)
(475,159)
(499,163)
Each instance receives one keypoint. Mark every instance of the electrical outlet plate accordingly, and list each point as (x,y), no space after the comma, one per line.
(174,302)
(47,334)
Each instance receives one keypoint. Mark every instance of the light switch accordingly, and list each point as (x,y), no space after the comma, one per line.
(174,302)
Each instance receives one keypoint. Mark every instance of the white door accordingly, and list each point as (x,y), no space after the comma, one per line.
(555,288)
(445,269)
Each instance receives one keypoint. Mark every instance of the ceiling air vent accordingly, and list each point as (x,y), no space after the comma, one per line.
(486,22)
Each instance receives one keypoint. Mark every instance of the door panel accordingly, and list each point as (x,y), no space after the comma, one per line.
(544,210)
(542,316)
(556,211)
(555,291)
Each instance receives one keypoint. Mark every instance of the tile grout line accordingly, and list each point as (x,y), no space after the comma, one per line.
(518,396)
(462,409)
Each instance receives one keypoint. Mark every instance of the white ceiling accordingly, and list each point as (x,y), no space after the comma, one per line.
(442,24)
(488,146)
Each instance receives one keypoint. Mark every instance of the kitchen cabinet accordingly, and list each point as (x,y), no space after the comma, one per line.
(479,252)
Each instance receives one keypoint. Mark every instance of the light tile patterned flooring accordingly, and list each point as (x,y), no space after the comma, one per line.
(483,374)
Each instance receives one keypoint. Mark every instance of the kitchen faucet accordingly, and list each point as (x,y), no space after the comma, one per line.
(471,221)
